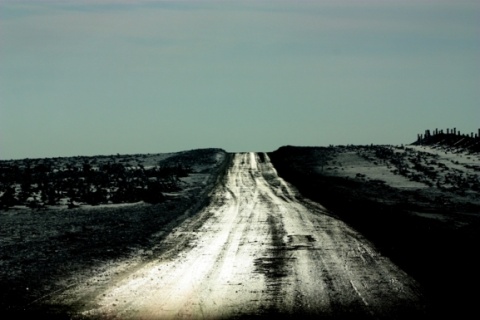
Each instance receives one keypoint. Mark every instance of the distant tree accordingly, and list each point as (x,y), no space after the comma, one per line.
(95,197)
(8,199)
(50,196)
(25,190)
(153,193)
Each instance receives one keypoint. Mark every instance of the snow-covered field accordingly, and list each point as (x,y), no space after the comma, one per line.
(434,172)
(351,164)
(422,166)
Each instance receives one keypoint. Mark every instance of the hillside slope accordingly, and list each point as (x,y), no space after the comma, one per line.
(419,205)
(44,251)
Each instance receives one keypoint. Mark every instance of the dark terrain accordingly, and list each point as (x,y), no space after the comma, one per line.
(44,245)
(441,253)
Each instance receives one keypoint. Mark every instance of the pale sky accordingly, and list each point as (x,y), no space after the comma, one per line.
(106,77)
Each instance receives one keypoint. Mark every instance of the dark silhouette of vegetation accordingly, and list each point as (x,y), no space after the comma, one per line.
(450,138)
(36,185)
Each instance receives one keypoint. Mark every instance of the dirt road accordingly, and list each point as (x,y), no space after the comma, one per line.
(259,249)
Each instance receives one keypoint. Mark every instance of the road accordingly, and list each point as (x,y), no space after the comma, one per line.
(260,249)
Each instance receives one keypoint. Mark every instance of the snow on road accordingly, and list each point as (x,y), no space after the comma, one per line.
(259,249)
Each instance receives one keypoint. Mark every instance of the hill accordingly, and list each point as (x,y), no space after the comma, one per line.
(419,204)
(450,139)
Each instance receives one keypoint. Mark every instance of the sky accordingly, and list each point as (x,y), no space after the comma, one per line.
(105,77)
